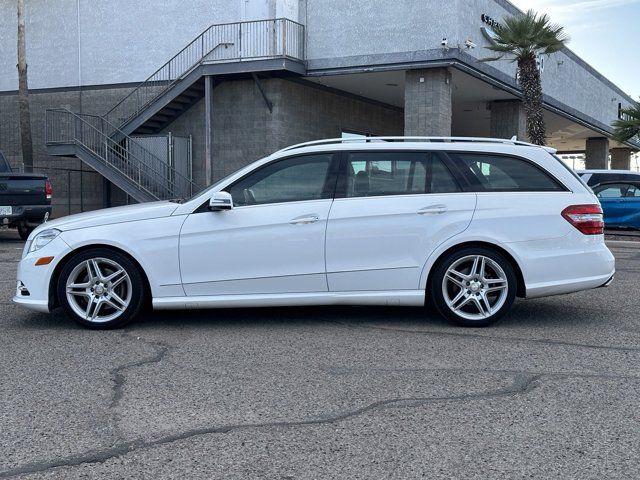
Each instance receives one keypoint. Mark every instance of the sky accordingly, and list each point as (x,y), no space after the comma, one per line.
(603,32)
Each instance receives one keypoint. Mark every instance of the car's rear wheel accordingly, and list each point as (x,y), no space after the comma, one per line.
(101,288)
(474,287)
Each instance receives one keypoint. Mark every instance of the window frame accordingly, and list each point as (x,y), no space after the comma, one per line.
(471,183)
(341,185)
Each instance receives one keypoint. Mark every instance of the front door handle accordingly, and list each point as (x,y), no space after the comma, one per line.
(433,210)
(305,219)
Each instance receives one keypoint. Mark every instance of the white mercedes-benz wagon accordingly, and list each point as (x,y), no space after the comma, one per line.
(465,224)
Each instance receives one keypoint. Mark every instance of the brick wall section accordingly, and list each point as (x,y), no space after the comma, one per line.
(508,119)
(427,102)
(244,130)
(192,123)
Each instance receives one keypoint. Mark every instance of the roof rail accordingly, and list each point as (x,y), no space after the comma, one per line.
(329,141)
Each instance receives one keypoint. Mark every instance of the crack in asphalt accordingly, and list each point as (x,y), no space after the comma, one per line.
(552,375)
(118,375)
(522,384)
(542,341)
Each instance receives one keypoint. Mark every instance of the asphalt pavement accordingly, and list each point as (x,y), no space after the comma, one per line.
(552,391)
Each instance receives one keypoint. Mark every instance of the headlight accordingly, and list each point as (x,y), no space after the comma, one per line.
(43,238)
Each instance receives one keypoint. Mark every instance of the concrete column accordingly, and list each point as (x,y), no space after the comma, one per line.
(427,102)
(620,159)
(597,153)
(208,129)
(508,119)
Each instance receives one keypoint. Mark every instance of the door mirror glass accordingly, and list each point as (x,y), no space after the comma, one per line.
(220,201)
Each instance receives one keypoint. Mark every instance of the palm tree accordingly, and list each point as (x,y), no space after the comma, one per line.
(628,126)
(525,38)
(23,94)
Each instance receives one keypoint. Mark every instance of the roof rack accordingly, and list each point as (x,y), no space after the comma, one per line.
(329,141)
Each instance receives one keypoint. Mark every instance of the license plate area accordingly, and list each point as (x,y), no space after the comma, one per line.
(6,210)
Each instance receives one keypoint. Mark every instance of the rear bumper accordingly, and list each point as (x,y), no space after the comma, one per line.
(564,265)
(608,282)
(32,214)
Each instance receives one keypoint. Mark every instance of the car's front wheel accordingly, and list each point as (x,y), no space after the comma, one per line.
(474,286)
(101,288)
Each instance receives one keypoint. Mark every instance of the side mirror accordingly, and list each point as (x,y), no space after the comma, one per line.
(220,201)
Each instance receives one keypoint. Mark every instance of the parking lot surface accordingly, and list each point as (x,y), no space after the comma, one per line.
(553,391)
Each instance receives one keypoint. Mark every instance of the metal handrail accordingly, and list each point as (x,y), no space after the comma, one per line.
(148,174)
(330,141)
(256,39)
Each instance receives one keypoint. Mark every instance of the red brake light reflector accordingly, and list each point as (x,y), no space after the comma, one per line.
(48,191)
(586,218)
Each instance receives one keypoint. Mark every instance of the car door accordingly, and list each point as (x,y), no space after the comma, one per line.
(391,209)
(611,198)
(271,241)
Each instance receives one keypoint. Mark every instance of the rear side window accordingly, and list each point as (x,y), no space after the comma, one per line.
(498,173)
(372,174)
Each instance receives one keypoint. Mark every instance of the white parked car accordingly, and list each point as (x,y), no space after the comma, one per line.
(467,224)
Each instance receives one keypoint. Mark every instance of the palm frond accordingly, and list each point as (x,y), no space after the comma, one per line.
(528,35)
(628,126)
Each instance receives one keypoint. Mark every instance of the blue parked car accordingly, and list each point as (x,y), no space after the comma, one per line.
(620,202)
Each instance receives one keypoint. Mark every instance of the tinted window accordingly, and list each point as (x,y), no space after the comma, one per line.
(611,191)
(396,173)
(291,180)
(494,173)
(617,190)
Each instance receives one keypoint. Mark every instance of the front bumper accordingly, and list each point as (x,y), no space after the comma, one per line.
(32,289)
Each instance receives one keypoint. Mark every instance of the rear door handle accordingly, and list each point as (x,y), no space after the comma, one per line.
(305,219)
(433,210)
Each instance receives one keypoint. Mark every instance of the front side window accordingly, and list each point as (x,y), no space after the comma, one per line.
(497,173)
(291,180)
(371,174)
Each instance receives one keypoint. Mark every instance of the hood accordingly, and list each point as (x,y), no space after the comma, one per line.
(107,216)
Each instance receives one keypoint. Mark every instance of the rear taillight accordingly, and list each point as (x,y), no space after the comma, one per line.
(48,191)
(586,218)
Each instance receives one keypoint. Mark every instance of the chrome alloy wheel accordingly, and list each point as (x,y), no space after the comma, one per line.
(475,287)
(98,290)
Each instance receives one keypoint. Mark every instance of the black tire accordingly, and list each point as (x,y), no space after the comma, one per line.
(24,231)
(437,287)
(136,285)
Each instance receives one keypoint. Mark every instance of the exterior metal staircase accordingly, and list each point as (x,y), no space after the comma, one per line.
(124,162)
(221,51)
